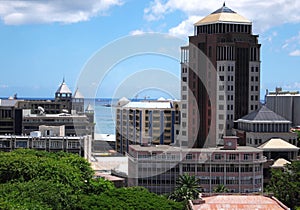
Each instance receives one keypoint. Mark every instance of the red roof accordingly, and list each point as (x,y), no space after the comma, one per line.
(241,202)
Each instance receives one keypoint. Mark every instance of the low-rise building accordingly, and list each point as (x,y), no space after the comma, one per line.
(239,168)
(74,144)
(10,117)
(75,124)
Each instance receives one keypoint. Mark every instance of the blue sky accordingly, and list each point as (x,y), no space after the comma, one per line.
(44,41)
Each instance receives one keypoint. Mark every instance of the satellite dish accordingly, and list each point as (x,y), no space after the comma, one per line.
(42,110)
(64,111)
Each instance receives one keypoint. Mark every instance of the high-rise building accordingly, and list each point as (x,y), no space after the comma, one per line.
(220,77)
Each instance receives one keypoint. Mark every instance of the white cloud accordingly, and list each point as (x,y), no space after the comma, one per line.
(295,53)
(137,32)
(185,28)
(292,44)
(293,86)
(47,11)
(264,13)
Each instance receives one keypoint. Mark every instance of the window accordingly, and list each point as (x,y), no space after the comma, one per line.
(246,156)
(189,157)
(221,97)
(232,156)
(221,78)
(209,51)
(184,79)
(221,107)
(218,156)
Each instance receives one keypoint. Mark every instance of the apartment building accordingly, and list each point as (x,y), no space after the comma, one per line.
(146,123)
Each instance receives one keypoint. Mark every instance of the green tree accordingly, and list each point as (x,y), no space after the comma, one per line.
(25,165)
(37,194)
(187,188)
(221,189)
(285,184)
(127,198)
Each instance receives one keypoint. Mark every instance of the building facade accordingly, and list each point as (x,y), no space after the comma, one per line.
(262,125)
(10,118)
(146,122)
(285,103)
(220,77)
(239,168)
(76,145)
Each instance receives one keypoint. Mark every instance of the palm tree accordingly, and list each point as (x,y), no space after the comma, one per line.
(221,189)
(187,188)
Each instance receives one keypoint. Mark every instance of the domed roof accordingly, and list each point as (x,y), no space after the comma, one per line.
(63,88)
(223,15)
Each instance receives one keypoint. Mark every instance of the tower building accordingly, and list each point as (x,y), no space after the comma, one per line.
(220,77)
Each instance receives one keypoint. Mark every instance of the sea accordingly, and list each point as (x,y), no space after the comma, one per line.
(104,115)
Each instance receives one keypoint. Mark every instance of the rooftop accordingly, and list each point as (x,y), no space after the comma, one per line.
(63,89)
(166,148)
(149,105)
(241,202)
(263,114)
(77,94)
(277,144)
(279,163)
(223,15)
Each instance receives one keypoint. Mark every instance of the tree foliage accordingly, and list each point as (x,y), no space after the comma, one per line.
(285,184)
(32,179)
(221,189)
(187,188)
(128,198)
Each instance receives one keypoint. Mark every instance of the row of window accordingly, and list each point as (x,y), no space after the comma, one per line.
(229,68)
